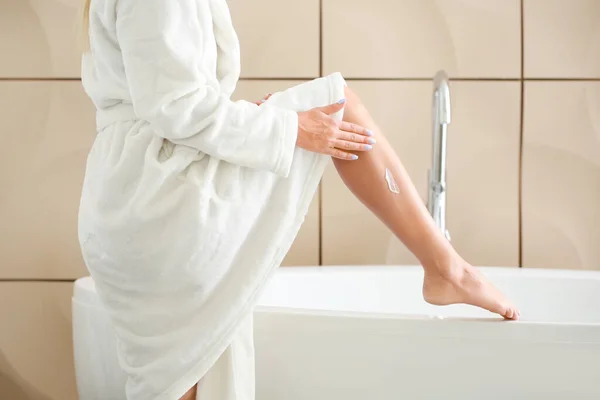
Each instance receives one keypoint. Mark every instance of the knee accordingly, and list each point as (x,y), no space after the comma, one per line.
(351,97)
(354,107)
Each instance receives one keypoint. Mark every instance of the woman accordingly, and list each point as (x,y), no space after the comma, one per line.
(190,200)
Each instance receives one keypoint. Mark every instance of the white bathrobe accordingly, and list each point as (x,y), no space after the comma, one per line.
(190,200)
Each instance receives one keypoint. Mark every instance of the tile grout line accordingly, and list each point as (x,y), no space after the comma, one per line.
(521,129)
(560,79)
(350,79)
(424,79)
(38,79)
(34,280)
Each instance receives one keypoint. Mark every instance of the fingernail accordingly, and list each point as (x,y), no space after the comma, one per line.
(371,141)
(368,147)
(370,133)
(342,101)
(354,157)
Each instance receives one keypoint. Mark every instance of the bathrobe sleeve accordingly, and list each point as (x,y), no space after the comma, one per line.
(164,44)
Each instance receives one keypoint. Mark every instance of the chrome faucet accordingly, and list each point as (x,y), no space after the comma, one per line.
(436,203)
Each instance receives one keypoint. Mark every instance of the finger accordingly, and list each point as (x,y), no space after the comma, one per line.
(354,128)
(354,137)
(351,146)
(262,101)
(333,108)
(342,155)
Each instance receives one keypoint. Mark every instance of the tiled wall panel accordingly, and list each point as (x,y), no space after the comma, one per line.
(415,38)
(483,175)
(562,38)
(39,38)
(47,128)
(36,351)
(279,38)
(561,175)
(351,234)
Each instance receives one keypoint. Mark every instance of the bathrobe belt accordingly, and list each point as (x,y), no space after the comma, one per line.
(117,113)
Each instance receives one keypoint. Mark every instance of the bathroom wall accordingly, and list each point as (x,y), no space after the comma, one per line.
(523,156)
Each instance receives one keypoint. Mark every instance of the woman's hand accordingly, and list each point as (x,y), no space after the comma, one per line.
(320,133)
(260,102)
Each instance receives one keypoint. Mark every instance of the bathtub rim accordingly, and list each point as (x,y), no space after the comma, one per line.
(494,270)
(84,288)
(412,270)
(410,326)
(409,317)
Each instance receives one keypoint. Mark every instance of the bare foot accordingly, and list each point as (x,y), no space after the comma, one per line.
(463,283)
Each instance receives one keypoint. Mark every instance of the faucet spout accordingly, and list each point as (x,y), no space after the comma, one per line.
(441,98)
(437,174)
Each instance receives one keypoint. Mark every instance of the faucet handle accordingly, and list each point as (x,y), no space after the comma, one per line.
(438,187)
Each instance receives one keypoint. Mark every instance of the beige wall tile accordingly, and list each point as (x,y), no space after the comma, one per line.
(306,247)
(562,38)
(305,250)
(278,38)
(415,38)
(38,38)
(36,352)
(483,172)
(561,175)
(351,234)
(482,200)
(47,129)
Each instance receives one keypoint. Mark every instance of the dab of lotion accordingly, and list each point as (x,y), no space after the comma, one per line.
(391,182)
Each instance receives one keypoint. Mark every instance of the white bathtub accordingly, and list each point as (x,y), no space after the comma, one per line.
(364,333)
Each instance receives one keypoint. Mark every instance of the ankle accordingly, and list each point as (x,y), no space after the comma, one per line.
(446,264)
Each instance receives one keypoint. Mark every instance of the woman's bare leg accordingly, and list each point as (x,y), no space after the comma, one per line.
(448,278)
(191,394)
